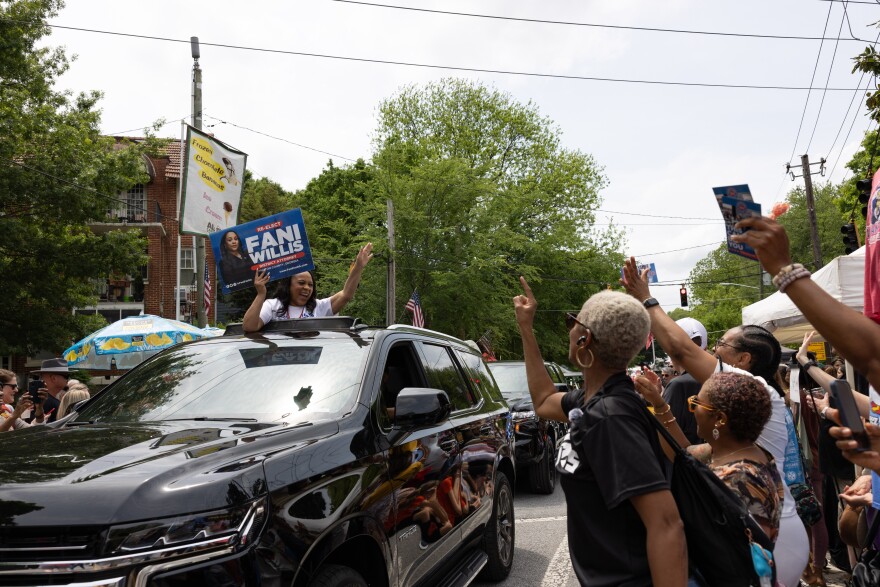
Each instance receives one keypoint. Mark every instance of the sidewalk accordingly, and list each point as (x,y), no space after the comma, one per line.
(834,577)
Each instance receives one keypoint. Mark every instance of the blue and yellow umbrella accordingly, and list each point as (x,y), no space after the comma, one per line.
(128,342)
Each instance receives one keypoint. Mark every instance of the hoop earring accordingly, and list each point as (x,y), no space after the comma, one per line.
(592,360)
(715,433)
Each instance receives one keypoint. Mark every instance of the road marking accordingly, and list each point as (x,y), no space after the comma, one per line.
(560,566)
(550,519)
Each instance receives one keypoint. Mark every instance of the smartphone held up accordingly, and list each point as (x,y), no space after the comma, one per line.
(850,417)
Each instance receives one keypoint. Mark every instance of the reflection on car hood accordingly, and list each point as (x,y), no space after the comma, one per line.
(523,404)
(107,473)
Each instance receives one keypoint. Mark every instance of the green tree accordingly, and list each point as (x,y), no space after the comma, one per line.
(483,192)
(56,174)
(829,219)
(262,197)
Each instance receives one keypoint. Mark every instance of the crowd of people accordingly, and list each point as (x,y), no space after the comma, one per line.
(784,458)
(51,394)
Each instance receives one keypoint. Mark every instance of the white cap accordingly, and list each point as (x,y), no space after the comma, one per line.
(694,328)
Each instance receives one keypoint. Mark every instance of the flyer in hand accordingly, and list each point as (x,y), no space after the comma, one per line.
(735,203)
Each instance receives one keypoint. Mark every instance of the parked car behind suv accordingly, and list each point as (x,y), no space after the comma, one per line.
(535,437)
(315,453)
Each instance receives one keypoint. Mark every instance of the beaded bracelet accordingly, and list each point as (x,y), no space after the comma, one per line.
(788,274)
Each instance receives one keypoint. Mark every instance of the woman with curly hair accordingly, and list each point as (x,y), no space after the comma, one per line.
(297,297)
(731,410)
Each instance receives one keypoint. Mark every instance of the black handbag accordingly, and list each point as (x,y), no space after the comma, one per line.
(718,526)
(866,573)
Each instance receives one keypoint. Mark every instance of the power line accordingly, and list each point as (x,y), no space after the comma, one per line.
(843,145)
(278,138)
(827,81)
(451,67)
(589,24)
(812,78)
(653,215)
(715,244)
(123,132)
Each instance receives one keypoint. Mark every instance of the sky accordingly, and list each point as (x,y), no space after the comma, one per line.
(662,146)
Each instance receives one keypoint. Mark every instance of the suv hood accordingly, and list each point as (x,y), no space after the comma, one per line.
(112,473)
(522,405)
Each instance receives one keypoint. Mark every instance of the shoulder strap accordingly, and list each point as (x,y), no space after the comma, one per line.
(670,439)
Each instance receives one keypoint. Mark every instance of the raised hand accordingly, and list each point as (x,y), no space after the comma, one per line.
(364,255)
(635,283)
(525,305)
(260,281)
(769,240)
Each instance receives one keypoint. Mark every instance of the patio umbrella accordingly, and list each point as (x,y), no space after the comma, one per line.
(128,342)
(212,331)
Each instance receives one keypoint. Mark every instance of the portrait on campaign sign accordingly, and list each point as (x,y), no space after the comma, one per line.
(276,244)
(212,174)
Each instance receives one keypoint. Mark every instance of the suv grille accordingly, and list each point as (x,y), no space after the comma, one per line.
(50,542)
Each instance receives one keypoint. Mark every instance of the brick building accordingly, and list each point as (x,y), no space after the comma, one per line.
(151,209)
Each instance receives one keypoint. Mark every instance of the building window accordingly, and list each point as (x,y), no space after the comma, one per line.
(6,363)
(188,259)
(136,199)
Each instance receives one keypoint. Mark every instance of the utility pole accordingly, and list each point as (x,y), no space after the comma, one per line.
(391,290)
(811,204)
(197,123)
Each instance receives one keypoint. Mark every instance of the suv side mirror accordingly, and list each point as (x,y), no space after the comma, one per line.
(421,406)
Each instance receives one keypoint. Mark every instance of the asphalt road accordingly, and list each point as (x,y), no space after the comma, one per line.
(541,557)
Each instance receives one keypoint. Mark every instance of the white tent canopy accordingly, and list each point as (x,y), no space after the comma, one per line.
(843,278)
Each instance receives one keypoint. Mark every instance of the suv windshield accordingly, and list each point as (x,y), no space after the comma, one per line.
(291,381)
(511,379)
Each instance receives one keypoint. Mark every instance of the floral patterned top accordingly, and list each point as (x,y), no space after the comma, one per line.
(760,488)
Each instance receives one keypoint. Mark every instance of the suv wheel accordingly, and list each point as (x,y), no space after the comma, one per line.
(337,576)
(542,475)
(498,541)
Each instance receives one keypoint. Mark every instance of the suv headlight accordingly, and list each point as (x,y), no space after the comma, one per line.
(241,524)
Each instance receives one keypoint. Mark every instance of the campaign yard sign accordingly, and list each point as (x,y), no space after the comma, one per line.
(735,203)
(276,244)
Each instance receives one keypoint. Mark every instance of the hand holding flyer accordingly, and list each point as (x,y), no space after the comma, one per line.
(736,204)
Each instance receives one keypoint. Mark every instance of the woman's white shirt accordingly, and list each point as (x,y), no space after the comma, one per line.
(269,311)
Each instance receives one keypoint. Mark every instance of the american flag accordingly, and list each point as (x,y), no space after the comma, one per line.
(209,294)
(414,305)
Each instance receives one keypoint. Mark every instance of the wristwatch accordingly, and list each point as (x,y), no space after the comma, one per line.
(809,364)
(650,303)
(822,414)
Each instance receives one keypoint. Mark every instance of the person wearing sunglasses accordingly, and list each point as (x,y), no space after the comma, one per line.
(731,410)
(623,523)
(749,350)
(10,418)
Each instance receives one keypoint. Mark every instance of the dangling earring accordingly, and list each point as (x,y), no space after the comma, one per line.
(715,433)
(592,360)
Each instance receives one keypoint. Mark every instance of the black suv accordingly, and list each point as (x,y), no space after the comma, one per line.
(536,437)
(318,452)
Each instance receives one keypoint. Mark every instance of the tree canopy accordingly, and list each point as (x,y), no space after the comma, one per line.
(483,192)
(56,174)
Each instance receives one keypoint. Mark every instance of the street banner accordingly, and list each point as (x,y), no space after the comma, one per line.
(652,271)
(277,244)
(212,173)
(735,203)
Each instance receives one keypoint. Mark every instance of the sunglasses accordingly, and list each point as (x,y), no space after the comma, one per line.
(693,402)
(12,385)
(571,320)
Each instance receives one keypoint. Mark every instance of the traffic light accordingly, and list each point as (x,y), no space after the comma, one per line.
(850,239)
(683,292)
(864,188)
